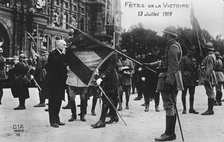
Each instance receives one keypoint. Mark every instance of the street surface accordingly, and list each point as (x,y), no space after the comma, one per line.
(32,125)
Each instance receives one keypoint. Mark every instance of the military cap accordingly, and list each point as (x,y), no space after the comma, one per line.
(1,50)
(171,30)
(209,46)
(22,56)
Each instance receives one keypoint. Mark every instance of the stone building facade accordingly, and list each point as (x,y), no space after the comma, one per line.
(45,21)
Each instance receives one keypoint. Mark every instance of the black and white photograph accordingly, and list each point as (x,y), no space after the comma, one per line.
(111,70)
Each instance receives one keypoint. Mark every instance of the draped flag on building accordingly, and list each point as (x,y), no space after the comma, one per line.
(87,54)
(198,36)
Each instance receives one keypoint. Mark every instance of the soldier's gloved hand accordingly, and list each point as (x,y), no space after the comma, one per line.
(98,81)
(168,87)
(143,78)
(140,69)
(31,77)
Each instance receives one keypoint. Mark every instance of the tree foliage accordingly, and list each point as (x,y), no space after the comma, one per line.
(140,40)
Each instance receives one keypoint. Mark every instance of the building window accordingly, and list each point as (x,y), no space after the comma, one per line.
(57,2)
(64,20)
(82,23)
(66,5)
(82,10)
(56,18)
(75,8)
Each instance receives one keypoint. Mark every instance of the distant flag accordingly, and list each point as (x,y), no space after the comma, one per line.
(33,53)
(87,54)
(198,36)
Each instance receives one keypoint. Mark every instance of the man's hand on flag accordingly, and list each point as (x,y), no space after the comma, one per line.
(143,78)
(98,81)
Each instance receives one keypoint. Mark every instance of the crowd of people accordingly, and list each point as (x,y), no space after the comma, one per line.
(117,76)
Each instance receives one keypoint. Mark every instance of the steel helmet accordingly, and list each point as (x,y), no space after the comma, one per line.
(22,56)
(171,30)
(209,46)
(43,49)
(1,50)
(217,54)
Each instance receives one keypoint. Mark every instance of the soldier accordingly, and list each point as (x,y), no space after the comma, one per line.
(150,81)
(125,70)
(3,75)
(168,84)
(109,81)
(137,76)
(220,78)
(189,72)
(208,77)
(20,82)
(77,87)
(40,73)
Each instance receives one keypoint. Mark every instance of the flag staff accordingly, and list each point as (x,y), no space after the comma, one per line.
(111,104)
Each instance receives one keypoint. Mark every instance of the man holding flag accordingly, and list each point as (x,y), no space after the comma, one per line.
(109,81)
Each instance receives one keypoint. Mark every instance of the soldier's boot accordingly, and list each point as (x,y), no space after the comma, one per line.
(157,102)
(42,100)
(93,106)
(101,122)
(83,108)
(73,110)
(218,99)
(183,98)
(170,130)
(1,94)
(127,101)
(120,106)
(210,107)
(146,105)
(192,110)
(114,116)
(21,104)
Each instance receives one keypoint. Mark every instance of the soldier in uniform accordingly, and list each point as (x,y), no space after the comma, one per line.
(168,84)
(220,78)
(189,72)
(20,82)
(208,77)
(3,75)
(77,87)
(125,70)
(40,73)
(150,81)
(109,81)
(137,76)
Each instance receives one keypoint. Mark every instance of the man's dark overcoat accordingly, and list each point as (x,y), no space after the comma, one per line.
(56,75)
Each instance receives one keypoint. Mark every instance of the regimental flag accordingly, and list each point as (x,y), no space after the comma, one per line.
(198,36)
(86,55)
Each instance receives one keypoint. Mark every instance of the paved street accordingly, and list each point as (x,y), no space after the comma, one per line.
(31,125)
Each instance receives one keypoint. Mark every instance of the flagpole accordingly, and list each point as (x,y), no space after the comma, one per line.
(112,104)
(193,22)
